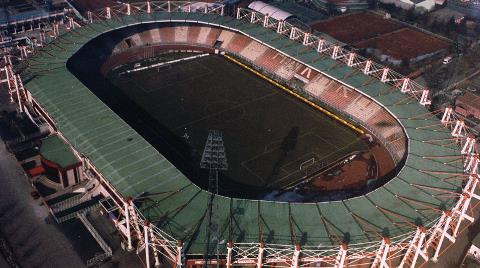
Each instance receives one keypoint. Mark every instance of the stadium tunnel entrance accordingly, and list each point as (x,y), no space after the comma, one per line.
(174,91)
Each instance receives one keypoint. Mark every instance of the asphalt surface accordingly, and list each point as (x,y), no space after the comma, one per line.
(33,236)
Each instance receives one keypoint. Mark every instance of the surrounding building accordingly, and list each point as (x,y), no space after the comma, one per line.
(418,5)
(468,105)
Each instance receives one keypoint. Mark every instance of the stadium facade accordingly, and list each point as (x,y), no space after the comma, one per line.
(160,212)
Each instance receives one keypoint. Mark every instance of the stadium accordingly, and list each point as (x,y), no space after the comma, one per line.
(118,89)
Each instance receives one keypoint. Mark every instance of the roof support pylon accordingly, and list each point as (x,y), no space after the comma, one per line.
(280,26)
(380,260)
(305,38)
(134,221)
(229,253)
(469,145)
(351,58)
(341,256)
(90,16)
(261,248)
(424,100)
(321,45)
(440,232)
(385,75)
(127,220)
(405,84)
(179,253)
(471,164)
(335,52)
(458,129)
(414,249)
(292,33)
(147,244)
(296,256)
(155,251)
(265,20)
(368,64)
(447,115)
(129,10)
(108,13)
(464,203)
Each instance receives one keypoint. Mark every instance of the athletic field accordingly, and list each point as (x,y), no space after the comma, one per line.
(271,138)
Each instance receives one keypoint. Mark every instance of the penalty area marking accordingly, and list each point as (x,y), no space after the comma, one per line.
(291,92)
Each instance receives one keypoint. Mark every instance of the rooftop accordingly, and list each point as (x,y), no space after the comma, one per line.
(134,167)
(54,149)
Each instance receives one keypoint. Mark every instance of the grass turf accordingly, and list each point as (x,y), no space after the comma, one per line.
(267,133)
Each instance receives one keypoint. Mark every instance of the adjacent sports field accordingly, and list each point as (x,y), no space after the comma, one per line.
(268,134)
(370,30)
(356,27)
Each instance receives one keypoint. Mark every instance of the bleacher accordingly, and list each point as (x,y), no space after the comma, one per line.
(329,91)
(181,33)
(269,60)
(136,40)
(238,43)
(147,38)
(362,108)
(317,85)
(253,51)
(193,33)
(225,37)
(338,96)
(167,35)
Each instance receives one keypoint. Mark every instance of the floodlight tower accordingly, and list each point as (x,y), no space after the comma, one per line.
(215,159)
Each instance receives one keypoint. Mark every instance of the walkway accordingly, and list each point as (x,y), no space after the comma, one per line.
(35,240)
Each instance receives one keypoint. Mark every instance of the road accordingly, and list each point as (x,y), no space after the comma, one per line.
(35,240)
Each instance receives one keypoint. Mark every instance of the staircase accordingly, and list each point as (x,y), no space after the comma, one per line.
(67,203)
(106,249)
(72,212)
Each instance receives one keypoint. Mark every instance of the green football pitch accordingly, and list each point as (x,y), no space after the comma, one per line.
(269,135)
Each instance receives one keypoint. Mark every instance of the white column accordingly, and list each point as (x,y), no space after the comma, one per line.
(109,13)
(265,21)
(229,254)
(127,219)
(458,129)
(424,99)
(261,248)
(90,17)
(292,32)
(147,244)
(351,57)
(405,82)
(341,256)
(321,44)
(469,145)
(129,12)
(444,233)
(385,75)
(296,256)
(447,114)
(305,38)
(179,253)
(335,52)
(368,64)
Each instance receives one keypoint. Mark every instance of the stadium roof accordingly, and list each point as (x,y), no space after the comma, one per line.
(179,207)
(272,11)
(53,148)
